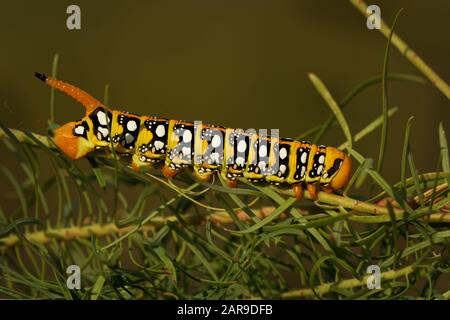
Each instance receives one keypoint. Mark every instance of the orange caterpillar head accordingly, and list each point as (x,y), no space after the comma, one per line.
(75,138)
(72,139)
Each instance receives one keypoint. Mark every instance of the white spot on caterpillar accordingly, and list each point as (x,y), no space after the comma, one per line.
(283,168)
(187,136)
(79,130)
(216,141)
(319,169)
(131,125)
(101,116)
(160,131)
(303,157)
(262,151)
(215,157)
(186,150)
(103,131)
(240,161)
(283,153)
(322,159)
(262,165)
(159,145)
(302,173)
(325,175)
(242,145)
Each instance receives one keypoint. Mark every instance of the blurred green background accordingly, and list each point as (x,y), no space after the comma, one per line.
(235,63)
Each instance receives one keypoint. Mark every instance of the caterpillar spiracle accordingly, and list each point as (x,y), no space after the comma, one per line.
(208,149)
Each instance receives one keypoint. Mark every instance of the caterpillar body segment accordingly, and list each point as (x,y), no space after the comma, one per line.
(208,149)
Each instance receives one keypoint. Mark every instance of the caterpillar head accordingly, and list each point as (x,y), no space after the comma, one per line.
(72,139)
(75,138)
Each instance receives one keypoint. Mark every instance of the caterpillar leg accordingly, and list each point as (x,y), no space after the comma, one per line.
(298,191)
(141,163)
(169,172)
(141,167)
(203,175)
(328,189)
(232,183)
(312,190)
(135,166)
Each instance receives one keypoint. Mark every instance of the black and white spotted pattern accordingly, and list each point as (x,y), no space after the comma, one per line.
(81,130)
(302,161)
(241,146)
(160,133)
(260,163)
(130,130)
(281,168)
(101,121)
(318,164)
(183,153)
(213,154)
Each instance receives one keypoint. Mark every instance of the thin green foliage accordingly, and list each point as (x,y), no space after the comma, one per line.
(384,101)
(444,152)
(52,90)
(333,106)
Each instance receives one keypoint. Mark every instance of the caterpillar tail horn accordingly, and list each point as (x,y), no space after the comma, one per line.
(89,102)
(72,145)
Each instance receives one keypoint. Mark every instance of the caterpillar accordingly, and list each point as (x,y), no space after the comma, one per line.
(208,149)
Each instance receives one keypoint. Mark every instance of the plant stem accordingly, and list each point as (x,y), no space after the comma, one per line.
(102,230)
(22,137)
(326,95)
(217,217)
(345,284)
(407,52)
(384,99)
(52,90)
